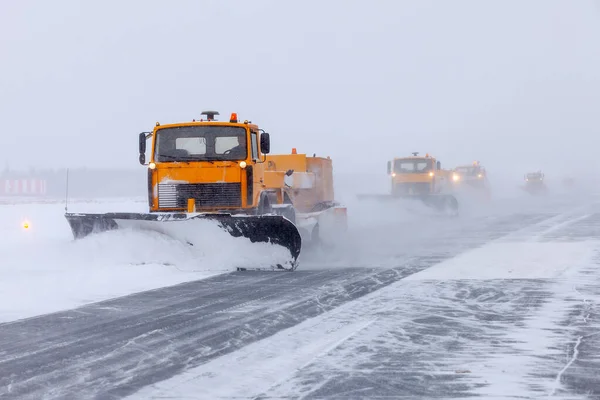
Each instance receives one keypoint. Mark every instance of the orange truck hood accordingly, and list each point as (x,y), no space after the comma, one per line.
(198,172)
(413,178)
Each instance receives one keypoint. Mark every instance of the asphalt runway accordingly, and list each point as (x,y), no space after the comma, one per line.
(115,348)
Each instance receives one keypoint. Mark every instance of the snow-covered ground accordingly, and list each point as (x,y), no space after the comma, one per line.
(46,270)
(492,319)
(382,233)
(509,310)
(43,269)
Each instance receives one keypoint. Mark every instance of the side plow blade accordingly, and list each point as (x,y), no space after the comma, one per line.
(444,203)
(264,228)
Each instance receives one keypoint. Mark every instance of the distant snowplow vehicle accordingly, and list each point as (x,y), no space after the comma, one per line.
(420,178)
(208,170)
(309,185)
(534,183)
(467,177)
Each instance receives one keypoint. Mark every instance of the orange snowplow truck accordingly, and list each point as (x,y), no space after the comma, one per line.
(309,183)
(208,170)
(212,166)
(419,178)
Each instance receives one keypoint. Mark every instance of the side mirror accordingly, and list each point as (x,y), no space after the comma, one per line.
(389,167)
(142,147)
(439,165)
(265,143)
(142,143)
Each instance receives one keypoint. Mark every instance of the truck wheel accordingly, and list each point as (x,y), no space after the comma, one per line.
(288,211)
(314,235)
(451,206)
(264,205)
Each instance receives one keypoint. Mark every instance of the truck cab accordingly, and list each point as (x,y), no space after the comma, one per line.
(534,178)
(534,182)
(210,165)
(473,175)
(417,175)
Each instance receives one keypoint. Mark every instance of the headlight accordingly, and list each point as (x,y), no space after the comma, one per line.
(393,174)
(242,164)
(480,176)
(151,165)
(455,177)
(431,174)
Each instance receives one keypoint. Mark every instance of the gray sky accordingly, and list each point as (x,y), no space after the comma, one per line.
(515,84)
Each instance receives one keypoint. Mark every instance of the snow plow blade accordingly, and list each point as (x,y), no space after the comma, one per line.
(264,228)
(445,203)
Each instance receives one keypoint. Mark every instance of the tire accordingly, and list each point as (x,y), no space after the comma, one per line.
(315,235)
(288,212)
(451,206)
(264,205)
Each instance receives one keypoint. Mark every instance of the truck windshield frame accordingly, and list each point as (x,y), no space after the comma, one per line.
(201,143)
(467,170)
(413,166)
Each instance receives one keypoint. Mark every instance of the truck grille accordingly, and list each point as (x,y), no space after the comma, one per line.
(417,188)
(205,195)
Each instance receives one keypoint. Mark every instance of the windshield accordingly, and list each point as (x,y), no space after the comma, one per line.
(467,170)
(201,143)
(407,166)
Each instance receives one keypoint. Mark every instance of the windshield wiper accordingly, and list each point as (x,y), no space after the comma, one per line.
(184,159)
(169,157)
(215,159)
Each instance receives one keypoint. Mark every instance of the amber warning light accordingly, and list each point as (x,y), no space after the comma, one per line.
(25,224)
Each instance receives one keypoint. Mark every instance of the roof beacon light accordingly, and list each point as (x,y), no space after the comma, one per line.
(233,118)
(294,151)
(210,115)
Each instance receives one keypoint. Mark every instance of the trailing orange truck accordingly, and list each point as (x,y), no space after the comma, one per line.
(210,170)
(473,175)
(309,185)
(471,179)
(420,178)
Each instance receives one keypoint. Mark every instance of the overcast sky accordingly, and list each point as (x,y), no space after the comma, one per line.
(515,84)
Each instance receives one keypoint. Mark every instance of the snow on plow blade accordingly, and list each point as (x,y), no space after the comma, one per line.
(264,228)
(445,203)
